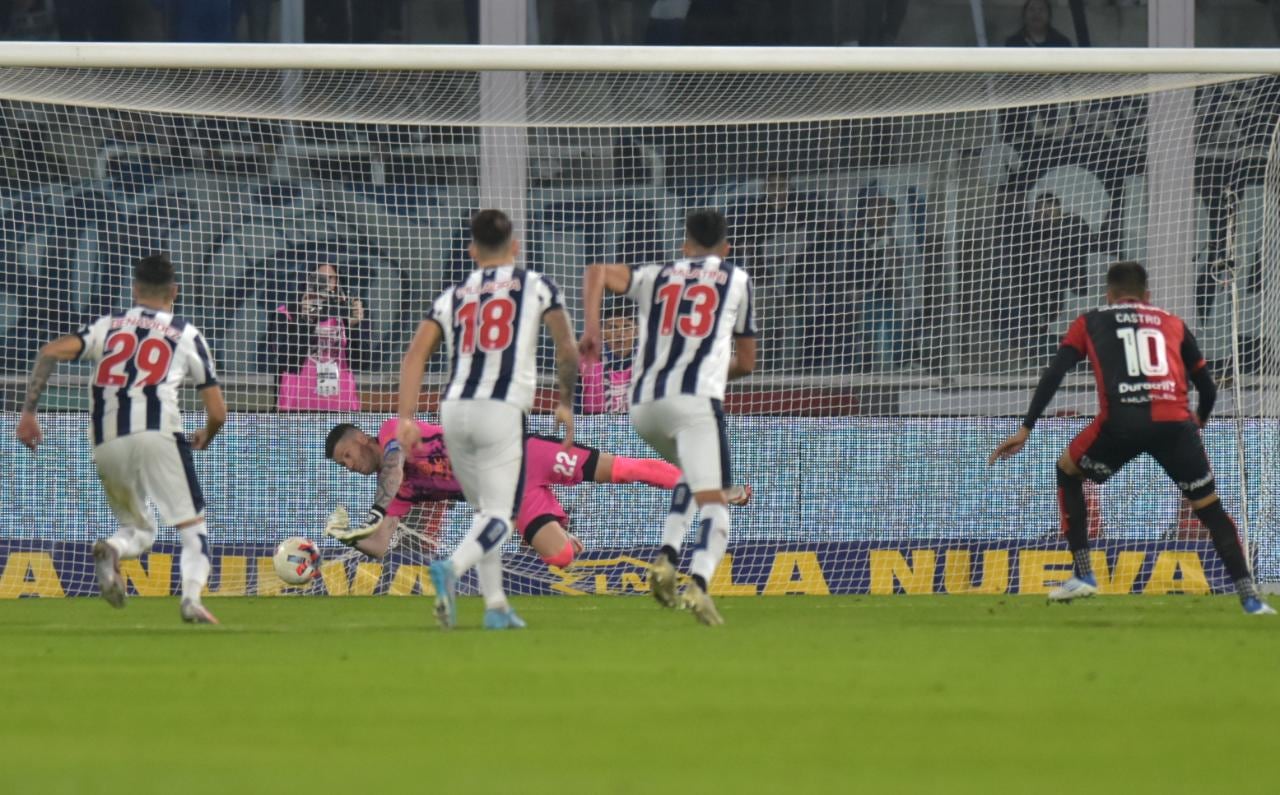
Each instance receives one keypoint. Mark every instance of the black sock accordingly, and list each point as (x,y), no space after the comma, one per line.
(671,554)
(1227,541)
(1075,518)
(699,581)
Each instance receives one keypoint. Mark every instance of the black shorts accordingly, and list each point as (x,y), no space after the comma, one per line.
(1101,449)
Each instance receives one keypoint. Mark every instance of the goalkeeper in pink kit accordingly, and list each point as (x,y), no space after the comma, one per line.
(426,476)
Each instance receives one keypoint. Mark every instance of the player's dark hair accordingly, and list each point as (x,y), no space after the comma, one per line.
(154,272)
(1127,278)
(707,228)
(337,434)
(490,229)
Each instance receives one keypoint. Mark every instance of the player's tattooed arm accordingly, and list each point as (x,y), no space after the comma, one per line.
(63,349)
(390,476)
(39,380)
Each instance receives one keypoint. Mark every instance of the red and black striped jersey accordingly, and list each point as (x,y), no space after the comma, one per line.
(1142,356)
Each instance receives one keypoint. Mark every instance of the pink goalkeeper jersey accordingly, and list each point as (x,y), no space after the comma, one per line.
(428,477)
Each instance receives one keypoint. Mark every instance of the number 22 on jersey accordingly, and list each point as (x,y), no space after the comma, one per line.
(150,361)
(492,324)
(697,322)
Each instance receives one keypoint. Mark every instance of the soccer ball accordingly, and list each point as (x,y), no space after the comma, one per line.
(297,560)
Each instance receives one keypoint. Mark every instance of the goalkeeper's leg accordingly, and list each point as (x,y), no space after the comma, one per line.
(547,536)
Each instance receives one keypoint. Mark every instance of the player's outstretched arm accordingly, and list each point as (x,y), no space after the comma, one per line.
(372,539)
(561,328)
(62,349)
(1066,358)
(744,357)
(425,341)
(595,280)
(215,410)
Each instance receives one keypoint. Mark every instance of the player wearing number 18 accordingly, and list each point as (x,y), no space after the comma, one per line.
(143,356)
(697,331)
(1143,357)
(489,323)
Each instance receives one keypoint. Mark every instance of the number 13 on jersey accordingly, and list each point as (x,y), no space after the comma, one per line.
(697,322)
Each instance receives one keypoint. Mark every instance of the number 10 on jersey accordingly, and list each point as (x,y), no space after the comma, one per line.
(1144,351)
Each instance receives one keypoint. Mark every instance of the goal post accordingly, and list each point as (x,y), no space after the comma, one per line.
(920,226)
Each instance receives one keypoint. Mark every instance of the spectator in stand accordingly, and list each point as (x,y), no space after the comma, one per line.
(606,382)
(1047,261)
(309,340)
(1037,30)
(780,236)
(878,269)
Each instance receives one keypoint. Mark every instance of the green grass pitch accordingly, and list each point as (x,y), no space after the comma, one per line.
(797,694)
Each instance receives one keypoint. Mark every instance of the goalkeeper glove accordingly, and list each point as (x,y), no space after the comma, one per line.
(338,526)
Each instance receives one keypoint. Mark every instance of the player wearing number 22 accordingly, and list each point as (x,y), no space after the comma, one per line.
(489,323)
(144,355)
(696,331)
(1143,357)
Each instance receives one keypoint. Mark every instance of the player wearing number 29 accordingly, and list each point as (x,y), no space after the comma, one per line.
(489,323)
(144,355)
(696,331)
(1142,358)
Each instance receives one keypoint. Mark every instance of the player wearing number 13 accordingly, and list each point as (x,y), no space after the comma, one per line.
(1142,358)
(489,323)
(143,356)
(696,331)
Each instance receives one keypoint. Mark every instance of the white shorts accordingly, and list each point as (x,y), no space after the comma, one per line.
(485,439)
(154,465)
(689,432)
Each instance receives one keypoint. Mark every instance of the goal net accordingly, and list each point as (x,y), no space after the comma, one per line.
(918,243)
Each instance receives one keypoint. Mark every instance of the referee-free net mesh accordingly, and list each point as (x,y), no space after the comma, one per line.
(918,244)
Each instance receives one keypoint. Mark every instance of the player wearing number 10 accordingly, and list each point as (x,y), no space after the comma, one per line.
(489,323)
(140,452)
(697,330)
(1142,358)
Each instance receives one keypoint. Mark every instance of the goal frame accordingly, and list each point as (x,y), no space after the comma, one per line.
(510,61)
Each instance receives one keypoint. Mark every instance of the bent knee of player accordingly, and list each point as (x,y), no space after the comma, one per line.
(553,544)
(546,535)
(1068,466)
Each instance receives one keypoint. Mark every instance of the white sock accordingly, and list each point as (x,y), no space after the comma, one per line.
(713,540)
(487,533)
(131,542)
(195,564)
(679,517)
(489,572)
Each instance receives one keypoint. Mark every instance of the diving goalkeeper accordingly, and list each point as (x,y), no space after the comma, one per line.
(426,476)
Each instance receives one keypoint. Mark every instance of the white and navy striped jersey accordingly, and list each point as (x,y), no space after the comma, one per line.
(490,324)
(143,356)
(690,310)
